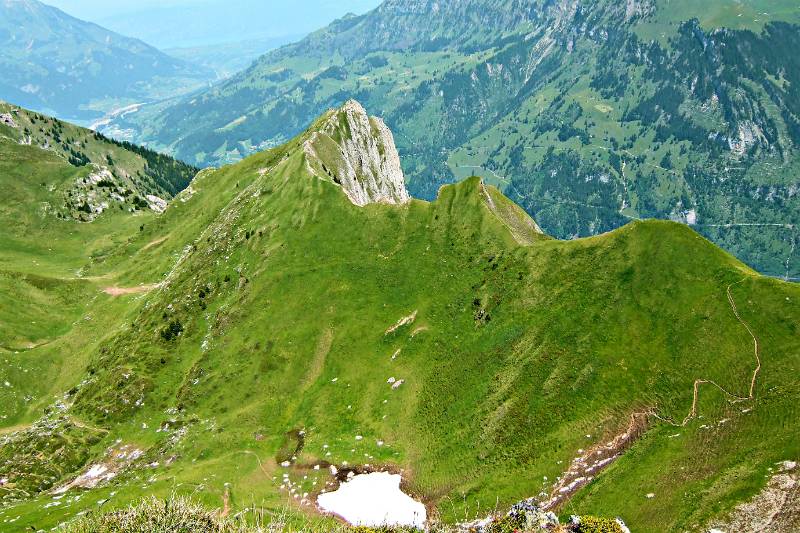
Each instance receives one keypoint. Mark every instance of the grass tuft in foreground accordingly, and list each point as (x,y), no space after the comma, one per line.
(180,514)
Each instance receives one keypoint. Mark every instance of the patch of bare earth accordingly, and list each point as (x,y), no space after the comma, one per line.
(775,509)
(122,291)
(154,243)
(586,466)
(226,502)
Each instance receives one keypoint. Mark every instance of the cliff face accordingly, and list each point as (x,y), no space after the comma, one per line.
(358,153)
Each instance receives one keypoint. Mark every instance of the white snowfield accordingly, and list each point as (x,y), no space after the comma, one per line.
(374,500)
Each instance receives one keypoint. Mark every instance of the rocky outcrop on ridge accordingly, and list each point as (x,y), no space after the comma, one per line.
(358,153)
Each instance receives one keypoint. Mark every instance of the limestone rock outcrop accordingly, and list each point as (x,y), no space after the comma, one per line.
(358,153)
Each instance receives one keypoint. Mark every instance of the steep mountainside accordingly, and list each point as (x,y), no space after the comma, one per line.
(56,178)
(588,114)
(265,327)
(108,174)
(58,64)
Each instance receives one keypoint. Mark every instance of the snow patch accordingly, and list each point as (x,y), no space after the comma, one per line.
(374,500)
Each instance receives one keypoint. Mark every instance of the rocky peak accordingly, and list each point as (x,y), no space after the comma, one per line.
(358,153)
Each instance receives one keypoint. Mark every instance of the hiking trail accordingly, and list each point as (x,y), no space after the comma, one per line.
(732,398)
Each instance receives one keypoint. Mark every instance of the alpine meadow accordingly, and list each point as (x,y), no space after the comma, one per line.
(456,266)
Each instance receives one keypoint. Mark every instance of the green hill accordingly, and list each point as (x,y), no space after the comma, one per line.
(269,321)
(119,175)
(69,196)
(587,114)
(76,70)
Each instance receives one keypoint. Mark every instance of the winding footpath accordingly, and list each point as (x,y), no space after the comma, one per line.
(586,466)
(732,398)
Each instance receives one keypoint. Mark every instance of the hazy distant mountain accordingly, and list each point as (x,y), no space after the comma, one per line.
(197,23)
(53,62)
(226,59)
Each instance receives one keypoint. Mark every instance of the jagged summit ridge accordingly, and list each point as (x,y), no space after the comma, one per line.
(358,153)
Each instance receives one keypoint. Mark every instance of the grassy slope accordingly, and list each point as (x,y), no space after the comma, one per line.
(52,307)
(141,170)
(284,291)
(738,15)
(44,259)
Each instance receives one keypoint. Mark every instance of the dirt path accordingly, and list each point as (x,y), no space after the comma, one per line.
(267,473)
(27,348)
(732,398)
(77,423)
(153,243)
(589,463)
(83,425)
(122,291)
(752,335)
(226,502)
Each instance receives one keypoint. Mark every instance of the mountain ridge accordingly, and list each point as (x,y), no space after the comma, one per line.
(448,340)
(586,114)
(120,173)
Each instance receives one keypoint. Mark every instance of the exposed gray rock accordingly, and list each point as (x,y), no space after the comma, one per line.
(638,8)
(8,120)
(527,515)
(92,195)
(358,153)
(749,134)
(159,205)
(775,509)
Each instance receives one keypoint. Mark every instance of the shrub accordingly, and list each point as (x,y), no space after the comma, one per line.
(593,524)
(153,516)
(174,329)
